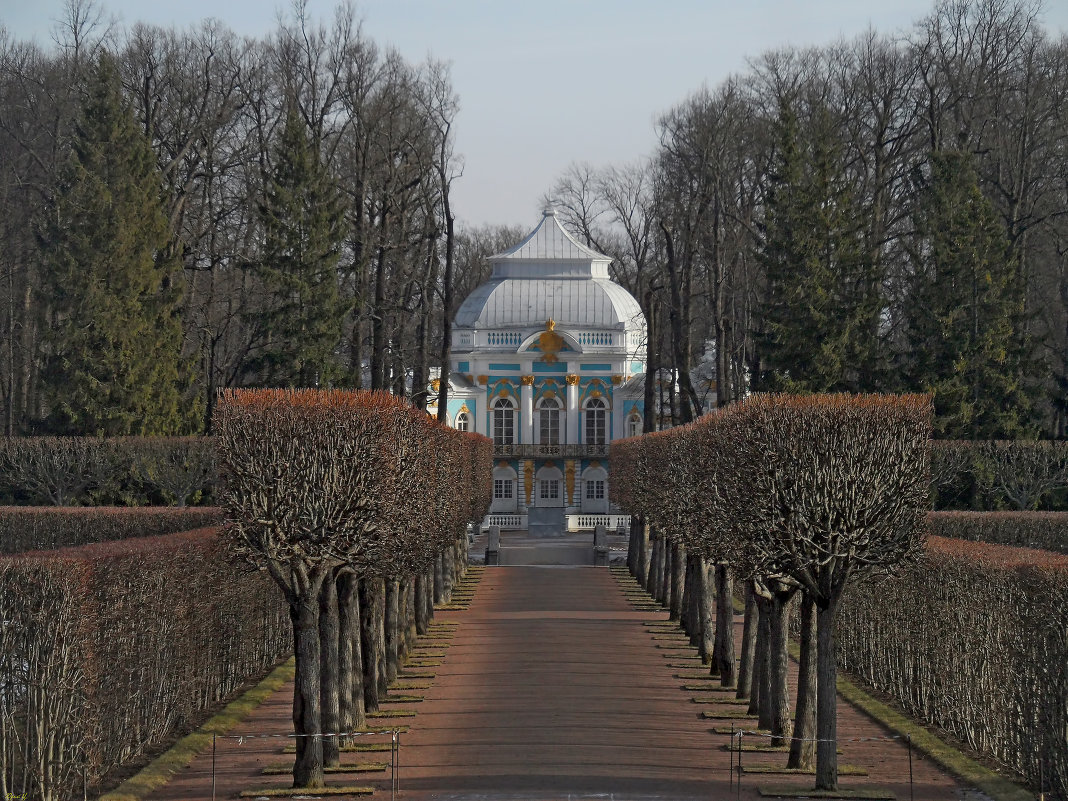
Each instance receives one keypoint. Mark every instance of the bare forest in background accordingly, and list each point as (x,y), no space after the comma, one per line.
(888,213)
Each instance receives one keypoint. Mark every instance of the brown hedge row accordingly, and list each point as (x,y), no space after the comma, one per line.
(1045,530)
(972,638)
(109,649)
(43,528)
(126,471)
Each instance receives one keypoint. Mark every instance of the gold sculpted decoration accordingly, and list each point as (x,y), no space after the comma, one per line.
(570,473)
(550,342)
(571,379)
(464,410)
(482,379)
(528,380)
(617,379)
(435,384)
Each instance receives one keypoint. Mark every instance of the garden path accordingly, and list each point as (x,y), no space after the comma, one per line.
(553,686)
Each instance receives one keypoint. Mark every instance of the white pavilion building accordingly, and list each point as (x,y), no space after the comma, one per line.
(548,361)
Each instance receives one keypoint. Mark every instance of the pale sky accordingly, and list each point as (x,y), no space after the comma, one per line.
(545,84)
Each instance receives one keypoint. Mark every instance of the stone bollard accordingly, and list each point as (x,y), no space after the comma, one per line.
(600,546)
(493,546)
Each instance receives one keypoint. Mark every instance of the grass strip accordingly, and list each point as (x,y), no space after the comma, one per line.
(778,791)
(392,713)
(727,714)
(292,792)
(286,768)
(732,701)
(161,769)
(401,699)
(767,767)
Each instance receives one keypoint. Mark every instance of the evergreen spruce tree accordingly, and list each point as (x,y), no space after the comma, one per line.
(967,344)
(114,337)
(302,217)
(821,307)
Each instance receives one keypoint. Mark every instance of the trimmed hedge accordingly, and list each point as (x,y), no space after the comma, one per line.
(126,471)
(110,649)
(44,528)
(1044,530)
(972,639)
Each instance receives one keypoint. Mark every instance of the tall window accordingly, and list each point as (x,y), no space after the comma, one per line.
(549,422)
(502,489)
(596,422)
(503,422)
(595,490)
(634,425)
(462,421)
(549,489)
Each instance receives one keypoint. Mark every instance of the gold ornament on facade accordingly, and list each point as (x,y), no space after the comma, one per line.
(596,393)
(528,478)
(435,384)
(502,464)
(617,380)
(570,473)
(464,410)
(528,380)
(571,379)
(549,394)
(482,379)
(550,342)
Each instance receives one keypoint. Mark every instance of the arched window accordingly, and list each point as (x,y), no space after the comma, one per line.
(634,425)
(596,422)
(503,422)
(549,422)
(462,422)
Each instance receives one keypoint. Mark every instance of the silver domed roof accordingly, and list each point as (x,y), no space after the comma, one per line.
(550,276)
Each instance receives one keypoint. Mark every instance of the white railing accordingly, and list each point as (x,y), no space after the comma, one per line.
(587,522)
(506,522)
(463,340)
(501,339)
(596,338)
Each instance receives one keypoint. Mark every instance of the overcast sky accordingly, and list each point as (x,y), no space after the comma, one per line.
(548,83)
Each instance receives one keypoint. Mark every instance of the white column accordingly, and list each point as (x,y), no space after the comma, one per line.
(481,426)
(573,433)
(526,412)
(617,415)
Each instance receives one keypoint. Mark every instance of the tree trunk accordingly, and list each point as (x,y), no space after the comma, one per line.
(422,623)
(448,573)
(304,615)
(654,568)
(826,699)
(728,673)
(802,749)
(439,578)
(329,673)
(350,662)
(757,697)
(678,580)
(691,604)
(368,652)
(392,627)
(411,616)
(749,633)
(778,660)
(632,547)
(643,553)
(380,638)
(429,595)
(704,610)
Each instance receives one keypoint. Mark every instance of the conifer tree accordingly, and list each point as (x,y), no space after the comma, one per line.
(821,307)
(302,216)
(967,340)
(114,339)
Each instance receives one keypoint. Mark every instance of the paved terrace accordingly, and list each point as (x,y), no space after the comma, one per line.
(554,686)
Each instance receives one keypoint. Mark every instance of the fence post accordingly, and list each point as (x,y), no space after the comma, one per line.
(912,796)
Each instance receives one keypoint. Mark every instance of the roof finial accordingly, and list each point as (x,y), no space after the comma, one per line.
(550,207)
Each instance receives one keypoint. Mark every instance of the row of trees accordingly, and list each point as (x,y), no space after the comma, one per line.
(793,494)
(190,210)
(883,214)
(357,504)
